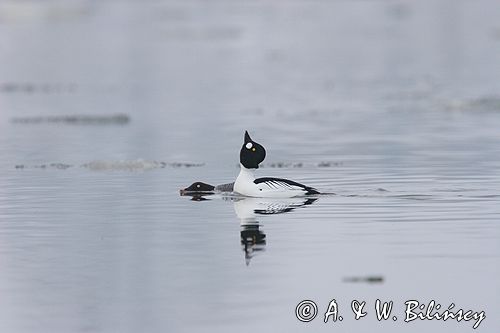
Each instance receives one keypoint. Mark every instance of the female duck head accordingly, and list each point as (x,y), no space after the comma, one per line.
(199,187)
(251,153)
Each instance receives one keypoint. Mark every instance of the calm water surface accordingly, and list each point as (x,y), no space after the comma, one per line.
(107,109)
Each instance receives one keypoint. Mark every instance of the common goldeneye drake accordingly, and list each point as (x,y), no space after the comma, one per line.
(251,155)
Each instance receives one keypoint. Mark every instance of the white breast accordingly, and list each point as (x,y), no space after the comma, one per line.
(244,184)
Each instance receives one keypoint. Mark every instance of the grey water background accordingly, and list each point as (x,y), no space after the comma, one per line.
(392,105)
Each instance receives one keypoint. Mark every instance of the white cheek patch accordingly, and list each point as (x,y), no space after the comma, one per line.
(249,145)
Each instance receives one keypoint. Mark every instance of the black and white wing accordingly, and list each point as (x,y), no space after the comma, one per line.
(280,184)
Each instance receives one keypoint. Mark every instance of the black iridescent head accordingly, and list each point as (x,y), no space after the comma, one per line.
(199,187)
(251,153)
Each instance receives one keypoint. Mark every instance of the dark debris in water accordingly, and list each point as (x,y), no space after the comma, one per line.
(323,164)
(365,279)
(480,104)
(326,164)
(115,119)
(37,88)
(185,165)
(283,165)
(134,165)
(61,166)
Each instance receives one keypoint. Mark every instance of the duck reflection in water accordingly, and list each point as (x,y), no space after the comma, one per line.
(253,239)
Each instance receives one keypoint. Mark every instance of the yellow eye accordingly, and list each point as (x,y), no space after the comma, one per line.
(253,149)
